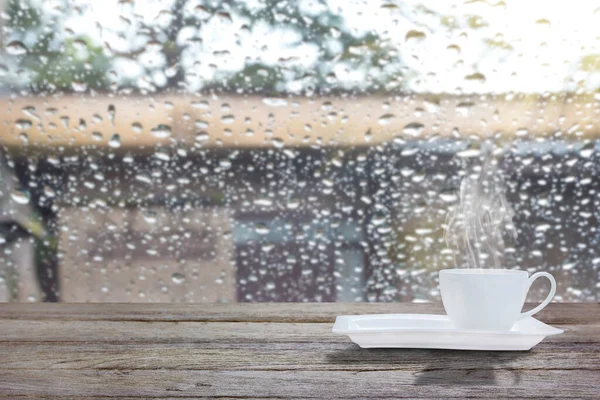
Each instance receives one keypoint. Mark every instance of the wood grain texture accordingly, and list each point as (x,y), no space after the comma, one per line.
(555,313)
(105,351)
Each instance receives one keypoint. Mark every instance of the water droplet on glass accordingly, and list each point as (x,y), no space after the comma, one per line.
(23,124)
(161,131)
(203,104)
(469,153)
(586,153)
(16,48)
(150,217)
(406,172)
(448,197)
(65,121)
(97,136)
(378,220)
(115,141)
(162,155)
(542,21)
(202,137)
(79,44)
(293,204)
(431,106)
(201,124)
(423,231)
(476,77)
(267,248)
(409,151)
(261,229)
(79,86)
(463,108)
(265,202)
(386,119)
(278,143)
(398,140)
(225,163)
(137,127)
(335,33)
(49,192)
(178,278)
(202,12)
(413,129)
(227,119)
(414,35)
(225,16)
(143,178)
(522,132)
(112,112)
(569,266)
(275,102)
(30,112)
(20,196)
(454,49)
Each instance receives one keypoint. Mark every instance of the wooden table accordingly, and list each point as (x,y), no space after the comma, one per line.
(272,351)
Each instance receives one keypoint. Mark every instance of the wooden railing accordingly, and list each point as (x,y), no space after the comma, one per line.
(229,121)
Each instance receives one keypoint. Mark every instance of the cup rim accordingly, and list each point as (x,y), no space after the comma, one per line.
(483,271)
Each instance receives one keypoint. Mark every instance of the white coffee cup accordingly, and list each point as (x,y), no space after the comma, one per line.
(488,299)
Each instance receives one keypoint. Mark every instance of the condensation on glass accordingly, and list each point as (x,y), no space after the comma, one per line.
(188,150)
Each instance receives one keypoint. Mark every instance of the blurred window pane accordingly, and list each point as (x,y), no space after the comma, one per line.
(187,150)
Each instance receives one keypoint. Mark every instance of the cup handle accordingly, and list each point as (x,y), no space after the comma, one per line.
(548,298)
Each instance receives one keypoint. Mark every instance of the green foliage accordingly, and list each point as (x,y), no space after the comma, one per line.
(23,15)
(253,78)
(366,51)
(68,67)
(55,64)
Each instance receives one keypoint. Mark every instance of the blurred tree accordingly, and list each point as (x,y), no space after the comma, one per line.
(59,60)
(336,46)
(52,62)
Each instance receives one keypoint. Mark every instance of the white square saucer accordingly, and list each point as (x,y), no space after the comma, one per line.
(426,331)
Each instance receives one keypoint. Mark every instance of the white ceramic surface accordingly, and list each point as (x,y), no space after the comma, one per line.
(488,299)
(437,332)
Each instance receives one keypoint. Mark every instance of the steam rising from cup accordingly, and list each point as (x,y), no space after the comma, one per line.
(475,228)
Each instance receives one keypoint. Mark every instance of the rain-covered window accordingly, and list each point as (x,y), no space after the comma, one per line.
(311,150)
